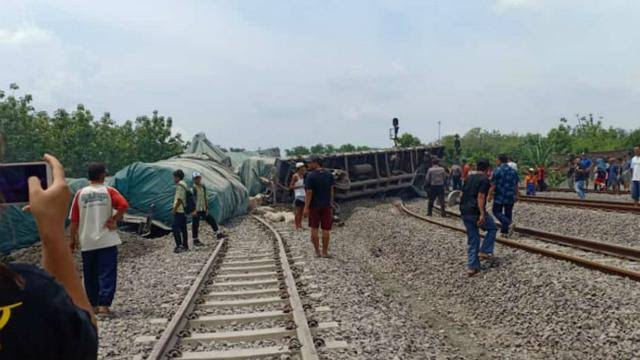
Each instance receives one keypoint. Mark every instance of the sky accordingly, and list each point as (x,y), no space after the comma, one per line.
(257,74)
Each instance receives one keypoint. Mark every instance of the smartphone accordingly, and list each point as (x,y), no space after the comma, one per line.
(14,180)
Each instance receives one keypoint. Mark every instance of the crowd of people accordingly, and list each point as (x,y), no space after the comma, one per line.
(612,174)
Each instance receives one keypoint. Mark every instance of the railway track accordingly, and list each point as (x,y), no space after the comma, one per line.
(589,191)
(248,301)
(605,257)
(616,206)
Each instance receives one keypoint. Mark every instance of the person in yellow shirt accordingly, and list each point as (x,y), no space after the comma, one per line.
(531,182)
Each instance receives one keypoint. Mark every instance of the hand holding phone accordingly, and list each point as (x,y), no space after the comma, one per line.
(49,206)
(14,180)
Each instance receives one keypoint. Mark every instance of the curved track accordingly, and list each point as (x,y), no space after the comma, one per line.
(601,256)
(256,283)
(616,206)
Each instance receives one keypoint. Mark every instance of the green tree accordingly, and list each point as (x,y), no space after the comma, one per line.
(76,138)
(298,151)
(407,140)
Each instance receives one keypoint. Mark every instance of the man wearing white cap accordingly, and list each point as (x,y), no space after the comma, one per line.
(202,209)
(297,185)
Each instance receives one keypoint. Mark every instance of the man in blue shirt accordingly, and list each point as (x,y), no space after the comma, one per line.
(504,193)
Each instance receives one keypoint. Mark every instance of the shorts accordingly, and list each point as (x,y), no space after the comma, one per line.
(320,217)
(298,203)
(635,190)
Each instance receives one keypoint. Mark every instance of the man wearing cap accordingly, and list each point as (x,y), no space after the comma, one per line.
(319,186)
(297,186)
(201,211)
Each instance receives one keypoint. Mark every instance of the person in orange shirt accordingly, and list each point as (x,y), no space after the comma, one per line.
(531,182)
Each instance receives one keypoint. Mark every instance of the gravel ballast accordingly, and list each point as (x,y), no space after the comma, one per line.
(523,306)
(397,286)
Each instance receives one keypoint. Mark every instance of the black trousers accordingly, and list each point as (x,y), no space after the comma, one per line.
(179,228)
(436,191)
(202,215)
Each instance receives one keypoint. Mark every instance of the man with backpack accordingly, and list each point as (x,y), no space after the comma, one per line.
(183,204)
(201,211)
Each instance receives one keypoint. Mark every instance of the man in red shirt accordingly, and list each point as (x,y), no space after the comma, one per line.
(93,228)
(542,186)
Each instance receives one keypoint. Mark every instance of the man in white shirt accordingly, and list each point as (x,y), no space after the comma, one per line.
(93,229)
(635,176)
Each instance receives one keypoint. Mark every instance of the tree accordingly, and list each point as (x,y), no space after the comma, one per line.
(76,138)
(407,140)
(298,151)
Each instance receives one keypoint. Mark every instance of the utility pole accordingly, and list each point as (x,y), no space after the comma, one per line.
(439,126)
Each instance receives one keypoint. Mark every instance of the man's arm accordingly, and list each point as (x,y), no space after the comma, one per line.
(75,222)
(481,205)
(178,201)
(307,201)
(120,204)
(492,190)
(49,208)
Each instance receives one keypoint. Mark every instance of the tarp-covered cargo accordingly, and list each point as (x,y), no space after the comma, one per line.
(252,170)
(230,178)
(18,228)
(150,186)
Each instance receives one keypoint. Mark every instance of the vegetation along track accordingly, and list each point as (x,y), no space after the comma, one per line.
(247,302)
(601,256)
(616,206)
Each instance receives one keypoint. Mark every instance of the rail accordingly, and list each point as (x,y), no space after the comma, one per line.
(241,275)
(617,206)
(585,245)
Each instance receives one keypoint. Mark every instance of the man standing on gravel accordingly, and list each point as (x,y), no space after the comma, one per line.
(93,228)
(179,226)
(635,176)
(504,193)
(201,211)
(456,176)
(475,217)
(435,180)
(319,186)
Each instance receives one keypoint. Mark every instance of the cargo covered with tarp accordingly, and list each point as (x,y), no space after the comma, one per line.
(254,173)
(18,228)
(230,178)
(150,188)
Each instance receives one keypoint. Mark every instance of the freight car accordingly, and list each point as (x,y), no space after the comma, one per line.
(368,173)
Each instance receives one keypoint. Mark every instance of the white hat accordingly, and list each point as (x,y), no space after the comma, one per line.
(196,174)
(299,165)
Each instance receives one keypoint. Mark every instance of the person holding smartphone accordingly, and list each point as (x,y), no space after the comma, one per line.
(45,314)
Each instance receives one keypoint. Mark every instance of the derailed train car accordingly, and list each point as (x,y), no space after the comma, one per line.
(369,173)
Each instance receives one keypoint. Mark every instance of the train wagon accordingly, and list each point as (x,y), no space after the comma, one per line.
(365,173)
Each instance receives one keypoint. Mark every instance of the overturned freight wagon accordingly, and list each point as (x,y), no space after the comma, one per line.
(365,173)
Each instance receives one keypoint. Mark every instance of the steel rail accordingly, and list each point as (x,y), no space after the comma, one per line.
(589,191)
(308,350)
(592,204)
(170,336)
(614,270)
(616,250)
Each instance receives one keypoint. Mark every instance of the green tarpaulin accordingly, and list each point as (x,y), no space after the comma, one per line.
(230,178)
(151,186)
(254,168)
(18,229)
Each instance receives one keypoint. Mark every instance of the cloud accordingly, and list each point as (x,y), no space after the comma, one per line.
(24,36)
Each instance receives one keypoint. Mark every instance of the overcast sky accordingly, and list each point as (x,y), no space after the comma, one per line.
(287,72)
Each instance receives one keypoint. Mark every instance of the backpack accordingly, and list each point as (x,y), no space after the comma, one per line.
(190,206)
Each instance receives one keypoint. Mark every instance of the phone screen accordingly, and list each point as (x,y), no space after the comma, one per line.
(14,181)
